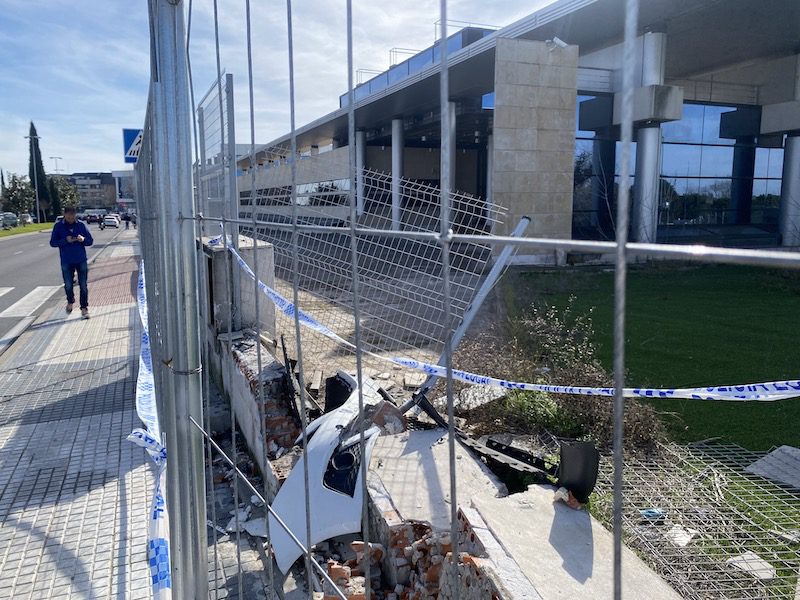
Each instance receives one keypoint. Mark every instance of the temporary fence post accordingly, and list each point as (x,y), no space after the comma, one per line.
(180,364)
(232,199)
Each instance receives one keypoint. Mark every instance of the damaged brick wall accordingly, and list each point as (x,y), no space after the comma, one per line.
(243,385)
(415,564)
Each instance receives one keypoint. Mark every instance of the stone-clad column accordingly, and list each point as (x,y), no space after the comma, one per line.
(534,136)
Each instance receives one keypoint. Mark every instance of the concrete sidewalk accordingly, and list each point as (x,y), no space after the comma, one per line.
(74,493)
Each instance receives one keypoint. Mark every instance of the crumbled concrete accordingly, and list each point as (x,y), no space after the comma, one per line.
(752,563)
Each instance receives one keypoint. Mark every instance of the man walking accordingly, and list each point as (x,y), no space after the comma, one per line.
(71,237)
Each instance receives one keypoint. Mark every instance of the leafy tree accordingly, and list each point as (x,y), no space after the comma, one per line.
(35,162)
(54,209)
(19,196)
(67,192)
(582,167)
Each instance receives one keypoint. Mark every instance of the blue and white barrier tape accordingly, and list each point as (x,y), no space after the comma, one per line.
(150,439)
(769,391)
(282,304)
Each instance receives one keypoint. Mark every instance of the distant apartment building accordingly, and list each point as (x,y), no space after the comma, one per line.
(126,190)
(96,190)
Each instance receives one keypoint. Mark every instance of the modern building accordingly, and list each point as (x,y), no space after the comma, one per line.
(96,190)
(535,108)
(126,190)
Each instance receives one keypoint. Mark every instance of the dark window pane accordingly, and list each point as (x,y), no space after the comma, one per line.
(688,129)
(582,133)
(716,161)
(769,162)
(680,160)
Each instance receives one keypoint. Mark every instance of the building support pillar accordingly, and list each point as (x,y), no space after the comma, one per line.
(603,158)
(361,153)
(789,223)
(790,191)
(489,172)
(451,114)
(744,167)
(397,170)
(648,146)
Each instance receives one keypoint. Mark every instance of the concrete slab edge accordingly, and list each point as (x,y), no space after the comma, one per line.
(505,573)
(15,332)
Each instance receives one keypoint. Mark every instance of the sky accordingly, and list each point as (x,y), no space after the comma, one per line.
(80,70)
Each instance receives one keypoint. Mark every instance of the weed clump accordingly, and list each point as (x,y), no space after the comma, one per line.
(551,346)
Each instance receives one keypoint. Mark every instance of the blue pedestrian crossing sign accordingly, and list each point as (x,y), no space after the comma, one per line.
(132,142)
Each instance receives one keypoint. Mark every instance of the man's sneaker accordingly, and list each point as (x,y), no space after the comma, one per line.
(84,313)
(68,308)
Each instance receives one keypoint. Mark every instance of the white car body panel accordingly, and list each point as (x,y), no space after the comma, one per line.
(332,513)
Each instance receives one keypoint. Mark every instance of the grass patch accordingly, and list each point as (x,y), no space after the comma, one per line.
(690,326)
(26,229)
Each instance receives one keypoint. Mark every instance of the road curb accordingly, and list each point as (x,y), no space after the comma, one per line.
(16,331)
(25,233)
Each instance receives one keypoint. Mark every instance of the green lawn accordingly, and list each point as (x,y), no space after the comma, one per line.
(694,326)
(26,229)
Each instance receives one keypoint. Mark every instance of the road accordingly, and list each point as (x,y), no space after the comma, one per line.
(30,274)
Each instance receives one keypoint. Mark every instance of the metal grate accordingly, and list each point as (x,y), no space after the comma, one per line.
(401,296)
(703,492)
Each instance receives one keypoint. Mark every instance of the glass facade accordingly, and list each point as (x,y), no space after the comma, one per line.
(708,179)
(711,174)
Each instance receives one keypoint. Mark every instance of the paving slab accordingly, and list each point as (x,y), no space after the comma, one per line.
(565,553)
(414,469)
(781,465)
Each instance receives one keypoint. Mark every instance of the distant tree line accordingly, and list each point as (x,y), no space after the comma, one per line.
(55,192)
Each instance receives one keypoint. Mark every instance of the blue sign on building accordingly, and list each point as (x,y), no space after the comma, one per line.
(132,142)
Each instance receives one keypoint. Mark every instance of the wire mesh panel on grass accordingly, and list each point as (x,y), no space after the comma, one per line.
(691,511)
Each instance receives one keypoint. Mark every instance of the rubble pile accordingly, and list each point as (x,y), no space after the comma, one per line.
(349,575)
(414,567)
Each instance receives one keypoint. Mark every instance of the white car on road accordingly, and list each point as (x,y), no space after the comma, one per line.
(111,221)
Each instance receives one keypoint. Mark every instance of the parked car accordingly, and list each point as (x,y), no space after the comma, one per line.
(10,220)
(25,219)
(111,221)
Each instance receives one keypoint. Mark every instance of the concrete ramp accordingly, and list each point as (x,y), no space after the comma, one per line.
(565,553)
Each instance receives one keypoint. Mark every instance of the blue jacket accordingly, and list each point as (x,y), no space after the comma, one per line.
(72,253)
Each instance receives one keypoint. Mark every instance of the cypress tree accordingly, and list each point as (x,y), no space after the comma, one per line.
(35,162)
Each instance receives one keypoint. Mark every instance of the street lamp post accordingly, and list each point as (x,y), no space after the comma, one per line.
(35,176)
(56,170)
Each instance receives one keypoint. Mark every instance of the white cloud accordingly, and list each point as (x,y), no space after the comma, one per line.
(80,70)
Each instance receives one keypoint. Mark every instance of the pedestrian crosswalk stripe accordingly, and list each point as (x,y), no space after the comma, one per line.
(28,304)
(4,291)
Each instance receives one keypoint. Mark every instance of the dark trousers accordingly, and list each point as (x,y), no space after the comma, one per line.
(68,272)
